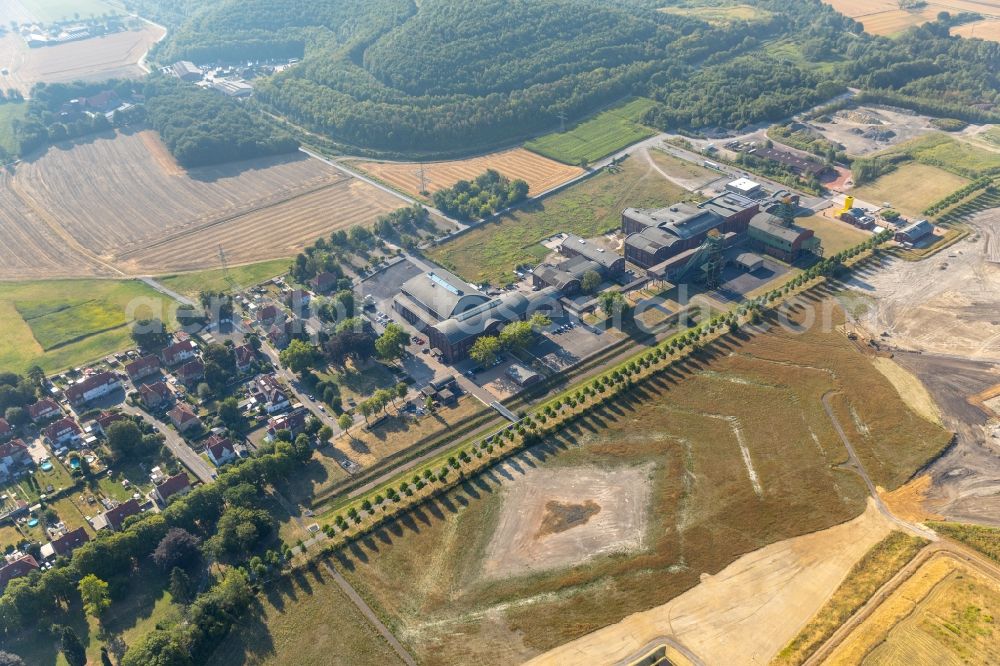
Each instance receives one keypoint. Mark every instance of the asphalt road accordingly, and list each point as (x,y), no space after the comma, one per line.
(195,463)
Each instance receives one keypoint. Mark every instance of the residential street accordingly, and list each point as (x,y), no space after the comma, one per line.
(195,463)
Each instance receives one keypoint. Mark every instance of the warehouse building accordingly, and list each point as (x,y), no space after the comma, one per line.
(574,246)
(455,336)
(436,296)
(781,239)
(566,276)
(656,235)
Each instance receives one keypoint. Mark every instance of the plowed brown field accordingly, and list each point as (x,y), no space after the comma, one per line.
(541,173)
(122,200)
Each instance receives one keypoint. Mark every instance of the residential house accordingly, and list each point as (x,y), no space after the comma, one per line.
(142,368)
(43,410)
(114,518)
(325,282)
(15,568)
(179,352)
(267,314)
(174,485)
(62,431)
(191,372)
(105,420)
(14,458)
(65,544)
(156,395)
(268,392)
(279,335)
(220,451)
(183,417)
(6,429)
(245,356)
(93,387)
(293,421)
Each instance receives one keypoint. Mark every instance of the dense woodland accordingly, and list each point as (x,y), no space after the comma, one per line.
(487,194)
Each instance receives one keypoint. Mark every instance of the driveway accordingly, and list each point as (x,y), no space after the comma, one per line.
(195,463)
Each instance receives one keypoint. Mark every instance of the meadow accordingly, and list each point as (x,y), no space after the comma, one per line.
(598,137)
(836,235)
(910,188)
(9,112)
(195,282)
(720,485)
(59,324)
(490,252)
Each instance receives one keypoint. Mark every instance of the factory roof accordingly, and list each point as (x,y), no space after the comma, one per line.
(501,310)
(773,225)
(682,219)
(442,293)
(590,251)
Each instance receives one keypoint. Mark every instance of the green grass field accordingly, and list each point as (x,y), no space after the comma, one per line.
(836,235)
(51,11)
(695,428)
(190,284)
(910,188)
(721,16)
(491,252)
(304,619)
(946,152)
(9,112)
(593,139)
(64,323)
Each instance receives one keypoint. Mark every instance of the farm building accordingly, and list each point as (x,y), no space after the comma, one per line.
(455,336)
(436,296)
(781,239)
(915,232)
(186,71)
(574,246)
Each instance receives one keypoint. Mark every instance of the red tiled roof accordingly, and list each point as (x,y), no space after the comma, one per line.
(16,569)
(76,392)
(5,427)
(174,352)
(182,414)
(13,448)
(142,367)
(41,407)
(60,426)
(245,355)
(107,418)
(117,515)
(156,388)
(217,451)
(65,544)
(191,370)
(173,485)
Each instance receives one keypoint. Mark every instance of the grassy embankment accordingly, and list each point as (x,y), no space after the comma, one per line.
(873,570)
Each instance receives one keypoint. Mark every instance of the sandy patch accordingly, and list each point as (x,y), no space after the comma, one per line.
(913,393)
(747,612)
(909,501)
(555,518)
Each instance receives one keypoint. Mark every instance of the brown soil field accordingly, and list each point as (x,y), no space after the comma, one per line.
(28,247)
(538,531)
(108,57)
(943,614)
(723,485)
(541,173)
(123,199)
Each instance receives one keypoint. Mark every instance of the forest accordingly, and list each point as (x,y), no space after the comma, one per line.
(487,194)
(451,77)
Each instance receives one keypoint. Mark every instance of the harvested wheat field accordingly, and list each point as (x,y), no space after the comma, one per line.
(885,17)
(539,172)
(986,29)
(123,199)
(943,614)
(113,56)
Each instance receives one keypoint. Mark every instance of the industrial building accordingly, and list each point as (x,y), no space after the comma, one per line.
(781,238)
(574,246)
(186,71)
(566,276)
(455,336)
(435,296)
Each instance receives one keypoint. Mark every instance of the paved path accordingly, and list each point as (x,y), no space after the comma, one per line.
(854,463)
(176,444)
(167,292)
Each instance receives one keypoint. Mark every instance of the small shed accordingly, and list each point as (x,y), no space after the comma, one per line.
(749,261)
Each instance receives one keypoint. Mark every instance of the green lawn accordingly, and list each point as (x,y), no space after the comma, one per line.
(9,112)
(946,152)
(491,252)
(189,284)
(721,16)
(64,323)
(911,188)
(51,11)
(602,135)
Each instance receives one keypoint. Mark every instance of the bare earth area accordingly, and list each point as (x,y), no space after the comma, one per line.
(748,611)
(140,213)
(539,172)
(554,518)
(108,57)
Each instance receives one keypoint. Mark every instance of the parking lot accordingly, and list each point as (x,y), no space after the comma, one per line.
(737,283)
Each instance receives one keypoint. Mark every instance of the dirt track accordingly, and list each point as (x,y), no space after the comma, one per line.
(748,611)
